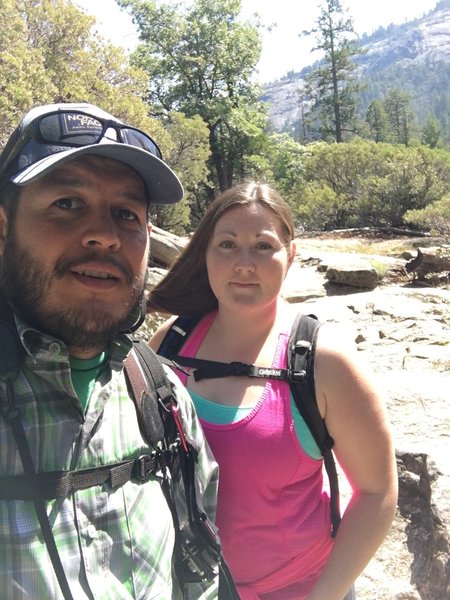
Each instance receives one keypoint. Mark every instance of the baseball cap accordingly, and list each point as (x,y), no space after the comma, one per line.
(51,135)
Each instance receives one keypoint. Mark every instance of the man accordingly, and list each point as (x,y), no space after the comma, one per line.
(75,187)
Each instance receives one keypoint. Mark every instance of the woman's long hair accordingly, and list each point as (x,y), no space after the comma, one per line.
(185,290)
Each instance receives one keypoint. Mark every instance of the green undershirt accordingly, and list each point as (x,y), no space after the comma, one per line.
(85,373)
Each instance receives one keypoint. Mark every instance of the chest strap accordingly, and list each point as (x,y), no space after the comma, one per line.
(210,369)
(58,484)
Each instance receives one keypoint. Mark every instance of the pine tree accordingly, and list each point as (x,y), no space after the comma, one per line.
(333,85)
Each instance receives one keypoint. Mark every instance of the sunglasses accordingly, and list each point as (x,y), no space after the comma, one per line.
(72,129)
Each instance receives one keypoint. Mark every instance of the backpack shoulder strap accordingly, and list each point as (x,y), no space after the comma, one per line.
(152,393)
(197,549)
(301,362)
(11,350)
(178,333)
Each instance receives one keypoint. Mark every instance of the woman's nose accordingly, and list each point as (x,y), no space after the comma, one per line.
(245,261)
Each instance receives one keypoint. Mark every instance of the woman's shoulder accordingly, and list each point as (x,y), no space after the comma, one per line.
(158,336)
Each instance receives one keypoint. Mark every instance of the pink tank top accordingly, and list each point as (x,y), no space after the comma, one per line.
(273,513)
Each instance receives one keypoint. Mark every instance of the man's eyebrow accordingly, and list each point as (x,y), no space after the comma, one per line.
(61,179)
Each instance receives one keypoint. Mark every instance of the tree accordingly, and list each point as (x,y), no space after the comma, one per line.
(332,86)
(23,79)
(49,53)
(199,59)
(187,155)
(377,120)
(431,131)
(401,118)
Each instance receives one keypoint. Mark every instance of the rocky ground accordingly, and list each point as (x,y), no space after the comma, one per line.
(402,327)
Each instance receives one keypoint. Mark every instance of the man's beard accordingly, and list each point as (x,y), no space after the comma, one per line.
(25,283)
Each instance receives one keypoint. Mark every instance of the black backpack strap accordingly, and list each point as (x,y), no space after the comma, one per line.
(301,360)
(198,553)
(140,369)
(12,352)
(13,416)
(178,333)
(208,369)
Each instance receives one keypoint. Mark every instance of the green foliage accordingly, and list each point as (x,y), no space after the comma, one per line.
(431,131)
(50,54)
(377,120)
(188,155)
(333,85)
(316,206)
(435,217)
(360,183)
(23,79)
(199,58)
(397,106)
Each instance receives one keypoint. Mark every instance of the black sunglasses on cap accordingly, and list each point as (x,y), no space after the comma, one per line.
(59,130)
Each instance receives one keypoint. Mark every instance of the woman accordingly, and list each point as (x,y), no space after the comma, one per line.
(273,510)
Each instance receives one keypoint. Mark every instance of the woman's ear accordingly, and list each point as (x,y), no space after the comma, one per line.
(292,252)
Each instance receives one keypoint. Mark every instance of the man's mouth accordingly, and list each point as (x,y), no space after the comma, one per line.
(95,274)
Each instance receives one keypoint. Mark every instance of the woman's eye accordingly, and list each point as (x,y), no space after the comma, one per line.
(227,244)
(264,246)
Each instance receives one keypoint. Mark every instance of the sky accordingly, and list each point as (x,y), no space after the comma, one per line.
(283,50)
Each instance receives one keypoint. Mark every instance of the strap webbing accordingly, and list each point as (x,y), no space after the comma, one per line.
(301,357)
(13,415)
(211,369)
(58,484)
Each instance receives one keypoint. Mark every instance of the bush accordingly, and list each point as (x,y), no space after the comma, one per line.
(434,218)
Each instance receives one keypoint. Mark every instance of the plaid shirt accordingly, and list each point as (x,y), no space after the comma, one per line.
(114,544)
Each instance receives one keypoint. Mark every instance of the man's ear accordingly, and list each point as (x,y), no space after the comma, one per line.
(3,227)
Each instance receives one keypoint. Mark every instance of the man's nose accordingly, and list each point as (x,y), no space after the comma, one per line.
(101,231)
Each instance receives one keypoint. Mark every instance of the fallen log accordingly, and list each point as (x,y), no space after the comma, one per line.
(425,263)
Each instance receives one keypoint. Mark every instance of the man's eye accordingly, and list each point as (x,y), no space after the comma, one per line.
(68,203)
(127,215)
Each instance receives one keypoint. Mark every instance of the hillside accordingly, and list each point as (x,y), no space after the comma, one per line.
(414,56)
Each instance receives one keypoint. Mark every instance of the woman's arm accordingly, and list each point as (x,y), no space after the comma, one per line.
(356,418)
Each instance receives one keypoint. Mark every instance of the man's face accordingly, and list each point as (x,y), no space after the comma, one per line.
(74,259)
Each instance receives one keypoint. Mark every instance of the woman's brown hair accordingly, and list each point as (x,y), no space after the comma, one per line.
(185,290)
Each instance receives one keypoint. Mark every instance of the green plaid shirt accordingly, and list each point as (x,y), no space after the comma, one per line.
(115,544)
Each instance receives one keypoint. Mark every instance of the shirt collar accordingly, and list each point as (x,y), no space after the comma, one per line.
(42,346)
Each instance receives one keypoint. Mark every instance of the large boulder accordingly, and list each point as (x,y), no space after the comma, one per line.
(356,274)
(165,246)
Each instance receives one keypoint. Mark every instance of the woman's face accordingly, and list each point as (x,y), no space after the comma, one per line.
(247,257)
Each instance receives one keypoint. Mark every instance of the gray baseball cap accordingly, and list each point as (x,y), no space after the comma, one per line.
(49,136)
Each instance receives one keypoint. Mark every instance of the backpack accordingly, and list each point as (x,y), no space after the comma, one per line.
(197,555)
(299,372)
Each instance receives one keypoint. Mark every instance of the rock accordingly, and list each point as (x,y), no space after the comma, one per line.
(165,246)
(404,335)
(358,275)
(155,274)
(427,538)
